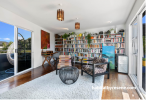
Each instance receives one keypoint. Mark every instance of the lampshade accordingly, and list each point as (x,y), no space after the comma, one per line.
(60,15)
(77,25)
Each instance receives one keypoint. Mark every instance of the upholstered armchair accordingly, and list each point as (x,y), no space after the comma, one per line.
(95,67)
(64,61)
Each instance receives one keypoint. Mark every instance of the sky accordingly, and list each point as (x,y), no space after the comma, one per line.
(7,32)
(144,19)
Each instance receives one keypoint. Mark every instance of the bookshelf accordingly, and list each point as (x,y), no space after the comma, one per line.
(78,46)
(59,44)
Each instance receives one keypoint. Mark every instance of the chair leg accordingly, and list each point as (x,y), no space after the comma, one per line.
(93,79)
(56,71)
(108,76)
(81,72)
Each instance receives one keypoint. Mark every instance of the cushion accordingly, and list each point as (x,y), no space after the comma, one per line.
(101,60)
(64,60)
(89,69)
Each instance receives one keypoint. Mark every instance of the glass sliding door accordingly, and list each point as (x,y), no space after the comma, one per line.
(24,49)
(134,47)
(144,50)
(6,51)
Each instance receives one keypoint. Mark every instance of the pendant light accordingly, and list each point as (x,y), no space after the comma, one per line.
(77,25)
(60,15)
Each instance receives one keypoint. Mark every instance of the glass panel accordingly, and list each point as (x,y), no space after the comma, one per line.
(134,47)
(144,52)
(24,50)
(6,50)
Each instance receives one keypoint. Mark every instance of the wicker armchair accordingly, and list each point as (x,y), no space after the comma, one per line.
(95,67)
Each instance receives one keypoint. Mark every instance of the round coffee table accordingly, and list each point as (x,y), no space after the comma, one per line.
(69,75)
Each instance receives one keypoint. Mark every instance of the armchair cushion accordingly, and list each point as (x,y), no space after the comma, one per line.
(64,60)
(101,60)
(89,70)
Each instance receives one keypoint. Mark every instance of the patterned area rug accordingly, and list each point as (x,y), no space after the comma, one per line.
(50,86)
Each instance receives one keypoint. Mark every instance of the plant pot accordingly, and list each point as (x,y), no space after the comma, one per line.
(143,63)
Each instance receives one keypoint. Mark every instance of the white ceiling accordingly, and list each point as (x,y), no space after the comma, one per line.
(91,13)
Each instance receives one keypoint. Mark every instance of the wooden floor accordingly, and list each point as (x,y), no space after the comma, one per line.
(116,80)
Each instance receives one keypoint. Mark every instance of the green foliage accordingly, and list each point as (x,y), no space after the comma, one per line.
(111,30)
(144,59)
(88,37)
(144,45)
(73,33)
(5,47)
(65,36)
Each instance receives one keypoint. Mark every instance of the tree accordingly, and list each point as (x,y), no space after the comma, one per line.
(5,46)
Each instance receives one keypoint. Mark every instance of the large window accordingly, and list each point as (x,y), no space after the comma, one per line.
(6,50)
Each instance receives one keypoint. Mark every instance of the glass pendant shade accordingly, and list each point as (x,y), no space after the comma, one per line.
(77,25)
(60,15)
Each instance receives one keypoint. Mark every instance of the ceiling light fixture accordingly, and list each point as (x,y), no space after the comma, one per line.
(77,25)
(60,14)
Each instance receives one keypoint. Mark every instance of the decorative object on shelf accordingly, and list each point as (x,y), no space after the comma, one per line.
(96,33)
(112,30)
(85,33)
(109,52)
(73,34)
(88,37)
(69,75)
(101,32)
(122,30)
(80,35)
(60,15)
(109,33)
(45,40)
(77,25)
(144,62)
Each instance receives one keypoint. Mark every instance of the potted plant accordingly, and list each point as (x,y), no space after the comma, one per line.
(72,34)
(65,36)
(88,37)
(109,32)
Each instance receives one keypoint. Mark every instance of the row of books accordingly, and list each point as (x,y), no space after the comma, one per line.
(108,44)
(120,51)
(83,55)
(114,40)
(83,46)
(58,46)
(120,35)
(119,45)
(84,50)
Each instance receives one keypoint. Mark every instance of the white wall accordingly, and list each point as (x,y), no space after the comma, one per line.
(97,30)
(13,19)
(136,8)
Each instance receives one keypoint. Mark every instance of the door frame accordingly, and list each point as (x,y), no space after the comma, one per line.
(16,54)
(138,81)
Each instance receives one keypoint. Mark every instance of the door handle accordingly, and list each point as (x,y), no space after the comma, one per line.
(16,51)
